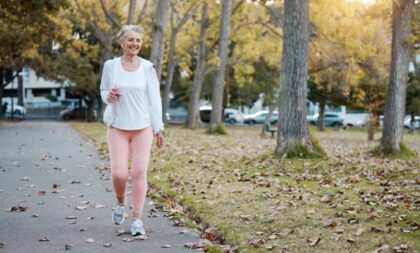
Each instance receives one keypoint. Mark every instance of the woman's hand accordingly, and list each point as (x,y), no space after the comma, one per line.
(113,96)
(159,139)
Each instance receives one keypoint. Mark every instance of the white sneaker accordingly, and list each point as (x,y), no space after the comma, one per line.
(137,227)
(118,215)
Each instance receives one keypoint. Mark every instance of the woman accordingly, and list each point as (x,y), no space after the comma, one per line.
(130,88)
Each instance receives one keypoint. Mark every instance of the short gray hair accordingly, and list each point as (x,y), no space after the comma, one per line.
(122,34)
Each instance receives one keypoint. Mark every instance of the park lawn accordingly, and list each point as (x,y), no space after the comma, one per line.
(349,202)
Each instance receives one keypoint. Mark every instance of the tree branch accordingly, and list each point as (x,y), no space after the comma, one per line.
(109,16)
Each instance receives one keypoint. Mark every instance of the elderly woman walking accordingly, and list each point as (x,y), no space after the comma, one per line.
(130,88)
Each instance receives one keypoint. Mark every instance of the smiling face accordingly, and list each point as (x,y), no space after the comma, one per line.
(131,44)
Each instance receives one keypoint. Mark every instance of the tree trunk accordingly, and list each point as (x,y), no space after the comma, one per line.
(90,108)
(372,125)
(131,11)
(169,74)
(194,104)
(397,87)
(321,116)
(20,87)
(1,91)
(158,35)
(412,121)
(217,95)
(292,127)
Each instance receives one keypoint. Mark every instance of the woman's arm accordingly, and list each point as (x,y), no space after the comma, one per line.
(155,101)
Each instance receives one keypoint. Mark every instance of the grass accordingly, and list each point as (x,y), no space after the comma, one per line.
(258,201)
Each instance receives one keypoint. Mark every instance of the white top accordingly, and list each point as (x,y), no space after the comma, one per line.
(140,104)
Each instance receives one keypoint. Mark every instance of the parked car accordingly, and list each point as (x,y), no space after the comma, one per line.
(17,109)
(407,122)
(259,118)
(330,120)
(230,115)
(75,113)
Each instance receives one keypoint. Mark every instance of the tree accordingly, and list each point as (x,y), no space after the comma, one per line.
(24,25)
(292,127)
(217,95)
(395,103)
(193,106)
(158,35)
(172,61)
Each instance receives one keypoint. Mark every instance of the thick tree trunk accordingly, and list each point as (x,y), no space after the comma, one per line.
(131,12)
(217,95)
(292,127)
(169,74)
(397,87)
(194,104)
(321,117)
(158,35)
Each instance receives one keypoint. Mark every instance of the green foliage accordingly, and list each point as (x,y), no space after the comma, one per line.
(405,152)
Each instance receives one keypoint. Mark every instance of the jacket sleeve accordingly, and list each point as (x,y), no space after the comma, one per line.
(155,101)
(106,81)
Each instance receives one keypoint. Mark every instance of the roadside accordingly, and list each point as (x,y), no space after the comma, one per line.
(55,194)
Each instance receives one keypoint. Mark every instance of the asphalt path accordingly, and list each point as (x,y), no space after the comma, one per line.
(55,195)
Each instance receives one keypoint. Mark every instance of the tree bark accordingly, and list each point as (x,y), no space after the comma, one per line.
(194,104)
(321,116)
(20,87)
(397,87)
(292,127)
(1,91)
(131,11)
(158,35)
(372,125)
(217,95)
(169,74)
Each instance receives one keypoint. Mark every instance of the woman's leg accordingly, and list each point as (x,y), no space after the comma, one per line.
(118,145)
(140,146)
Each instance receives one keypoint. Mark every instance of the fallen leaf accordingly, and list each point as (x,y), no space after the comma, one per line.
(126,239)
(121,232)
(359,231)
(81,207)
(166,246)
(141,237)
(1,244)
(44,239)
(55,186)
(89,240)
(68,246)
(41,193)
(272,237)
(314,241)
(107,244)
(71,217)
(99,206)
(329,224)
(17,208)
(256,243)
(383,248)
(35,215)
(75,182)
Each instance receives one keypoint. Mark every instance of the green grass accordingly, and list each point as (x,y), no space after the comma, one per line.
(404,153)
(235,183)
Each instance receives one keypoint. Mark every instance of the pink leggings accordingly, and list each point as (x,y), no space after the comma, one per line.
(120,143)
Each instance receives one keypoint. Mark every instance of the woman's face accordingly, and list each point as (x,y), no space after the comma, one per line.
(132,43)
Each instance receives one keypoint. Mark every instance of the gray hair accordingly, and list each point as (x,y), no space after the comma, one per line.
(122,34)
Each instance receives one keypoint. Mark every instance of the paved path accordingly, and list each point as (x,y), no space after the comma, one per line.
(49,169)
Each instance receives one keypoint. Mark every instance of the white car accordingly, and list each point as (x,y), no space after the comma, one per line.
(17,109)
